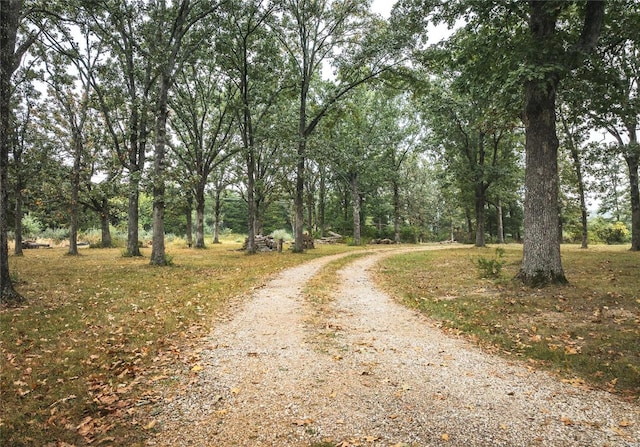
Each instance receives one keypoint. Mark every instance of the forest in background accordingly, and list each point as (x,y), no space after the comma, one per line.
(139,119)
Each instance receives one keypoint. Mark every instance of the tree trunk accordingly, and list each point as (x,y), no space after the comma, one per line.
(133,214)
(200,201)
(75,196)
(299,197)
(106,240)
(541,262)
(189,219)
(321,199)
(158,248)
(396,211)
(310,208)
(577,167)
(217,210)
(480,215)
(9,20)
(500,221)
(467,213)
(355,197)
(17,249)
(632,162)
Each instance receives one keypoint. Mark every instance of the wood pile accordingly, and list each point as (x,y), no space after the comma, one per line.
(331,238)
(263,243)
(33,244)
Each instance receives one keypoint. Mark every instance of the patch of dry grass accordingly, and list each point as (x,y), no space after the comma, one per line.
(81,359)
(588,331)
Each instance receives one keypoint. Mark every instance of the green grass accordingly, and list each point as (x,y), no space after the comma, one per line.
(81,360)
(588,331)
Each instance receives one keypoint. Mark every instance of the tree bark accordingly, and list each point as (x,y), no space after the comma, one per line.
(355,197)
(158,256)
(500,222)
(106,240)
(541,263)
(17,231)
(480,214)
(396,211)
(200,201)
(632,160)
(9,20)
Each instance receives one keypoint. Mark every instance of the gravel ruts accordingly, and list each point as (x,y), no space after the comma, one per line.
(373,373)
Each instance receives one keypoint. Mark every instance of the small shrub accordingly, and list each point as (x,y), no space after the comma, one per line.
(614,233)
(491,268)
(282,234)
(57,235)
(31,227)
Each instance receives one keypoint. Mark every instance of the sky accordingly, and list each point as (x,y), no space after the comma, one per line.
(382,7)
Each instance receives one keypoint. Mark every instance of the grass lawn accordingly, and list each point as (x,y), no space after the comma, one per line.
(588,331)
(81,358)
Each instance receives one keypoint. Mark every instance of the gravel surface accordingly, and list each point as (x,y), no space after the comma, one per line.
(369,372)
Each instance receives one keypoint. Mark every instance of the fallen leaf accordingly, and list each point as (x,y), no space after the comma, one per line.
(566,421)
(197,368)
(85,427)
(150,425)
(445,437)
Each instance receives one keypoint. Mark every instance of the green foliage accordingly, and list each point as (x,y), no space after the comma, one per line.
(282,234)
(491,268)
(57,235)
(31,226)
(612,232)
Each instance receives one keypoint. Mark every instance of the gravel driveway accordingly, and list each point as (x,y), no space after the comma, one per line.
(372,374)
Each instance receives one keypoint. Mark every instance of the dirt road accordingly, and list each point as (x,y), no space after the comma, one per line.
(372,373)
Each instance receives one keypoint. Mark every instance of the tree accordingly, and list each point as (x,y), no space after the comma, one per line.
(541,263)
(202,102)
(250,55)
(171,24)
(354,147)
(72,93)
(612,78)
(537,45)
(316,32)
(12,50)
(475,137)
(125,111)
(573,136)
(23,148)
